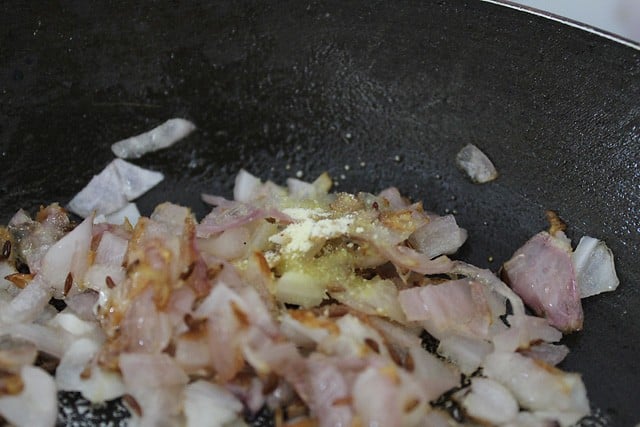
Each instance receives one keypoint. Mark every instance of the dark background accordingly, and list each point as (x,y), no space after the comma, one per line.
(314,86)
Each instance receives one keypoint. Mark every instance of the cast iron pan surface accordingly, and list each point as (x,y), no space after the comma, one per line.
(392,89)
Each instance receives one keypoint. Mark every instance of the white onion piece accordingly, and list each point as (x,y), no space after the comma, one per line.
(551,354)
(209,405)
(246,186)
(228,245)
(36,405)
(16,353)
(99,386)
(96,276)
(489,279)
(327,384)
(69,255)
(300,333)
(72,324)
(155,381)
(539,387)
(376,296)
(28,304)
(129,213)
(163,136)
(476,164)
(82,304)
(434,375)
(304,190)
(393,196)
(111,249)
(467,353)
(489,401)
(595,269)
(46,338)
(440,236)
(523,331)
(111,190)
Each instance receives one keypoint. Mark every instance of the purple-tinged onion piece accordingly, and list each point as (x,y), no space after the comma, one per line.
(542,274)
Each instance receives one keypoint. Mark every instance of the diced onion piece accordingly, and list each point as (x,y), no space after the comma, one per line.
(595,269)
(75,373)
(73,324)
(466,353)
(36,405)
(163,136)
(476,164)
(111,250)
(440,236)
(16,353)
(538,386)
(129,213)
(111,190)
(295,287)
(28,304)
(209,405)
(69,255)
(246,186)
(48,339)
(489,402)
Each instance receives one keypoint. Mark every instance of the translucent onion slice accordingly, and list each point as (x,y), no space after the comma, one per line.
(111,190)
(595,269)
(156,139)
(476,164)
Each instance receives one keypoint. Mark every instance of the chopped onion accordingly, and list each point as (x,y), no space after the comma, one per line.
(68,256)
(209,405)
(595,270)
(36,405)
(48,339)
(163,136)
(537,386)
(111,190)
(28,304)
(440,236)
(476,164)
(467,353)
(129,213)
(16,353)
(246,186)
(542,273)
(490,402)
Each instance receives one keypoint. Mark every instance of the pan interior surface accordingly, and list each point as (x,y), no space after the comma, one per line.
(375,93)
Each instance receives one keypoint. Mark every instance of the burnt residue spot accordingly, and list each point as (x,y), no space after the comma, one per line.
(263,418)
(6,250)
(58,304)
(187,273)
(429,342)
(447,403)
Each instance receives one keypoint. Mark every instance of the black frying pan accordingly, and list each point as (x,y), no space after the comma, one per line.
(315,86)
